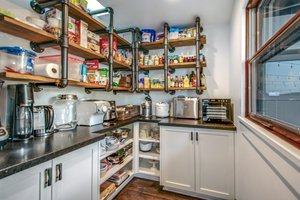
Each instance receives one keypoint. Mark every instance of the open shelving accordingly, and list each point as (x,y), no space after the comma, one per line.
(120,187)
(148,140)
(173,66)
(171,88)
(93,24)
(149,155)
(121,146)
(181,42)
(18,28)
(115,168)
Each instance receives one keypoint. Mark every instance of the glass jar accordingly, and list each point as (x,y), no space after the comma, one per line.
(65,112)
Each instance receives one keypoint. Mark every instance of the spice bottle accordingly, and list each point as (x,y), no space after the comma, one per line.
(186,81)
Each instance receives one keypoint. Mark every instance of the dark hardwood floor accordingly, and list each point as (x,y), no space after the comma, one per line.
(141,189)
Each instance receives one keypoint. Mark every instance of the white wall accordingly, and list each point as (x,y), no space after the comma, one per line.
(217,51)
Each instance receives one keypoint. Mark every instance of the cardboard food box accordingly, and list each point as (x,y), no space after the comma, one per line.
(82,28)
(73,32)
(93,41)
(92,64)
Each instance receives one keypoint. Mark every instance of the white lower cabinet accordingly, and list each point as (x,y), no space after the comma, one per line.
(200,161)
(177,158)
(73,176)
(27,184)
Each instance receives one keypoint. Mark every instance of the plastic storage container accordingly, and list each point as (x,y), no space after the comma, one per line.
(16,59)
(74,65)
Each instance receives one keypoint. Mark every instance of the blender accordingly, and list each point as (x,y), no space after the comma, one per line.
(3,132)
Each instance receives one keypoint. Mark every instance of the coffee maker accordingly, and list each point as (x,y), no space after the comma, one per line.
(111,114)
(19,112)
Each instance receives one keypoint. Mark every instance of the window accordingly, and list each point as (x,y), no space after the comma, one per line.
(273,15)
(274,67)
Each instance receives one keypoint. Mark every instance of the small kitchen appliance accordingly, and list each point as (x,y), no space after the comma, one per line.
(146,107)
(65,112)
(43,120)
(19,114)
(187,107)
(112,112)
(92,112)
(217,110)
(162,109)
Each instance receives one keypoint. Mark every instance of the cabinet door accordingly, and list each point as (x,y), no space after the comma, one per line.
(27,184)
(177,158)
(75,175)
(215,163)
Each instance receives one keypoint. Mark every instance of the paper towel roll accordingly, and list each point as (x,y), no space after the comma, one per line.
(49,70)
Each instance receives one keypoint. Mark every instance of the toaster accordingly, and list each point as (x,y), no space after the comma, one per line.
(187,107)
(92,112)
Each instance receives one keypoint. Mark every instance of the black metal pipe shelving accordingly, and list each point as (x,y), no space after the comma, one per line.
(63,41)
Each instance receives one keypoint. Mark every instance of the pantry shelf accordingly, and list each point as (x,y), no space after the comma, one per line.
(171,88)
(149,155)
(181,42)
(147,171)
(174,66)
(23,30)
(119,188)
(10,76)
(108,153)
(115,168)
(93,24)
(119,65)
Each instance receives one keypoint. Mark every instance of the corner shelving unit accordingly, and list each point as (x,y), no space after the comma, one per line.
(169,45)
(144,160)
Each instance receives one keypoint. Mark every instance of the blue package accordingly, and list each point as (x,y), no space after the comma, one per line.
(148,35)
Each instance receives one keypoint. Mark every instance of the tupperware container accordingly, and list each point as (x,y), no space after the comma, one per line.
(16,59)
(74,65)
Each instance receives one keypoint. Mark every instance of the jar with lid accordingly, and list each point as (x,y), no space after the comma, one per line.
(65,112)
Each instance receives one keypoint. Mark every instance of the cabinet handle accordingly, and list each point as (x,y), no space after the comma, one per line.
(197,136)
(48,177)
(192,136)
(58,171)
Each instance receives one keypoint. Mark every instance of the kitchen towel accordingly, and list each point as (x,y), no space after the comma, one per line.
(49,70)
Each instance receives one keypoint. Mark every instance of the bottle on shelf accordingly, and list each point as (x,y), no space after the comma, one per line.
(186,81)
(192,75)
(202,80)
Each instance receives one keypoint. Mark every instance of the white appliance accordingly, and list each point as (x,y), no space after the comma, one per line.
(92,112)
(162,109)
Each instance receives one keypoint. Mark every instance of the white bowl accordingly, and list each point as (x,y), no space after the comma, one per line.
(145,146)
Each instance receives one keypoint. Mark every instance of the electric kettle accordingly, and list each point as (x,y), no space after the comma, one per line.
(43,120)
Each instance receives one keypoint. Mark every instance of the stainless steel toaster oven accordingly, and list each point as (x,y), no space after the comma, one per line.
(187,107)
(217,110)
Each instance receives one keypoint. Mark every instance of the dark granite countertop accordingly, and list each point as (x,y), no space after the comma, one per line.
(19,156)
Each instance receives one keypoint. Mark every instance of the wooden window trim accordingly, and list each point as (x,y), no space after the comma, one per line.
(277,129)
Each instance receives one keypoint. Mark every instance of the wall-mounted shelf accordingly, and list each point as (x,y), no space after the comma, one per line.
(171,88)
(174,66)
(181,42)
(93,24)
(10,76)
(17,28)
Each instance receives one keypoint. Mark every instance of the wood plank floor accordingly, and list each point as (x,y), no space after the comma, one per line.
(141,189)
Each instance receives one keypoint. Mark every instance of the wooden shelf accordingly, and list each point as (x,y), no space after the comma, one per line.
(171,88)
(181,42)
(25,31)
(120,65)
(121,88)
(93,24)
(10,76)
(174,66)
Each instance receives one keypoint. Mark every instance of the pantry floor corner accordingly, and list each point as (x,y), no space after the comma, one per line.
(141,189)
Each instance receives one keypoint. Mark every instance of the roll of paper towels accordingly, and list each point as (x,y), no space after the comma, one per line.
(49,70)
